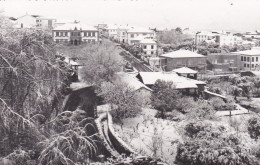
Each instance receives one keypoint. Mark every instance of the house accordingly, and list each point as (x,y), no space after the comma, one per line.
(186,72)
(131,81)
(148,47)
(228,40)
(224,62)
(34,21)
(26,21)
(121,36)
(184,84)
(203,36)
(135,32)
(75,33)
(184,58)
(250,59)
(43,22)
(111,31)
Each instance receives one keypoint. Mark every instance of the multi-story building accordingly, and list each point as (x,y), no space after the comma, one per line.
(75,33)
(223,62)
(204,36)
(111,31)
(250,59)
(148,47)
(122,33)
(132,34)
(34,21)
(228,39)
(184,58)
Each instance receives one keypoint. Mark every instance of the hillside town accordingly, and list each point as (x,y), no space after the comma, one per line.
(120,94)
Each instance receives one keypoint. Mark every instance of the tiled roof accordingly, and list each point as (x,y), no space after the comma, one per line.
(72,26)
(182,54)
(185,70)
(180,82)
(131,81)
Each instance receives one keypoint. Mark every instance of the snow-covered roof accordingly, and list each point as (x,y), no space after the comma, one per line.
(132,81)
(140,30)
(185,70)
(72,26)
(180,82)
(253,52)
(182,54)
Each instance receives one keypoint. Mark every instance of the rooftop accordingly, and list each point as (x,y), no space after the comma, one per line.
(131,81)
(182,54)
(254,51)
(185,70)
(180,82)
(72,26)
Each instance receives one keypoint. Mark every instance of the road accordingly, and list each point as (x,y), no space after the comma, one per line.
(136,63)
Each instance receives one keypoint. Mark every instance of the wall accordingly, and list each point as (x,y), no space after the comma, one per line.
(193,63)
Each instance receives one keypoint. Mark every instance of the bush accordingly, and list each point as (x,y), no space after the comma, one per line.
(254,127)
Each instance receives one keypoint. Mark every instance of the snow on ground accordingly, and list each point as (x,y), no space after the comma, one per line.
(139,132)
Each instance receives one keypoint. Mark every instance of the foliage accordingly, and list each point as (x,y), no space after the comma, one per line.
(72,142)
(124,100)
(100,61)
(208,144)
(175,39)
(219,104)
(32,87)
(254,127)
(164,97)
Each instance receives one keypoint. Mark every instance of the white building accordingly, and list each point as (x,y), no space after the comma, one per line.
(139,32)
(122,33)
(228,39)
(34,21)
(204,36)
(75,33)
(250,59)
(148,47)
(111,31)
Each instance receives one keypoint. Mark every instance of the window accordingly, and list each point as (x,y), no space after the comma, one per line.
(71,33)
(57,41)
(248,65)
(57,33)
(61,33)
(93,34)
(132,35)
(245,65)
(252,65)
(89,33)
(151,52)
(253,59)
(151,46)
(248,59)
(66,33)
(242,58)
(256,59)
(145,46)
(78,33)
(144,52)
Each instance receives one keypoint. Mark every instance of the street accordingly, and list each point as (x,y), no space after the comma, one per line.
(136,63)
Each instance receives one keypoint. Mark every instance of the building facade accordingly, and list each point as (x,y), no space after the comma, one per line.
(184,58)
(134,33)
(75,33)
(34,21)
(148,47)
(250,59)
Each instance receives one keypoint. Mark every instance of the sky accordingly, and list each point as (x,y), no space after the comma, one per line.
(234,15)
